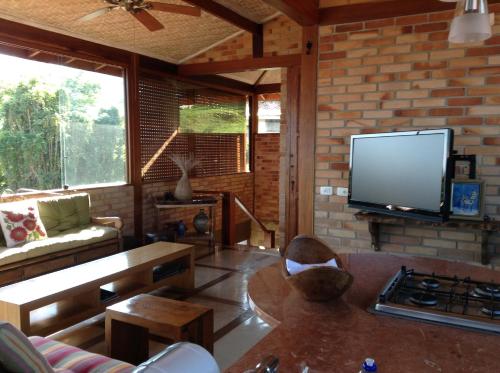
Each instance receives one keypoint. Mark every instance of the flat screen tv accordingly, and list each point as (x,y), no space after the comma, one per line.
(404,174)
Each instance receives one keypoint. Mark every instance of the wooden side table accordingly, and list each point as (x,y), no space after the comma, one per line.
(197,202)
(129,323)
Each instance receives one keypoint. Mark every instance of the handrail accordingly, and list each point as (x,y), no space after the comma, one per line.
(229,201)
(269,233)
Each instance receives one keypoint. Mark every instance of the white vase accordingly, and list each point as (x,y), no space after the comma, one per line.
(183,189)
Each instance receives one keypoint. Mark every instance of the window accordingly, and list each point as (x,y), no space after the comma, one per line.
(59,125)
(269,113)
(181,118)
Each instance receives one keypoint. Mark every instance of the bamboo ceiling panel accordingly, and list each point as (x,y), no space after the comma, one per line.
(182,37)
(257,11)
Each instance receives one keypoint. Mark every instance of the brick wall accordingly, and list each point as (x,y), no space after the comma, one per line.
(241,184)
(281,36)
(267,171)
(402,74)
(114,201)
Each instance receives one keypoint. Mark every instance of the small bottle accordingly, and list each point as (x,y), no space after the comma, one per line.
(368,366)
(181,229)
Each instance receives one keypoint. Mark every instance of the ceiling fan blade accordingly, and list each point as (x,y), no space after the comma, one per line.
(97,13)
(150,22)
(174,8)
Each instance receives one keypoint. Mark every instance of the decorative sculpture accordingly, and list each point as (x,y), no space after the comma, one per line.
(183,191)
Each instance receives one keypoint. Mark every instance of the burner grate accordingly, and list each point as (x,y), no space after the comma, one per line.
(449,300)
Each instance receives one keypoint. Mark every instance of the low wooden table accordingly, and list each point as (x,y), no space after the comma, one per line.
(49,303)
(129,323)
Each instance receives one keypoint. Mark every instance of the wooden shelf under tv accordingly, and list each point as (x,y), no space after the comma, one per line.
(486,227)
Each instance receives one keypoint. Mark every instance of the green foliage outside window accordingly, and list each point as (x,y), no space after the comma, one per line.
(49,139)
(213,118)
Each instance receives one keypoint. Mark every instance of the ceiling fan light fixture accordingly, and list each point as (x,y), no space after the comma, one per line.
(471,23)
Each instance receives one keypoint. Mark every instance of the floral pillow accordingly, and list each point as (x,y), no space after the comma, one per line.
(21,223)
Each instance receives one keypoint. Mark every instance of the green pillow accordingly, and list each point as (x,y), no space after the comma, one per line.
(66,212)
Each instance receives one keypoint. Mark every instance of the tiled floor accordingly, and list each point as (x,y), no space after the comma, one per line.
(221,284)
(236,327)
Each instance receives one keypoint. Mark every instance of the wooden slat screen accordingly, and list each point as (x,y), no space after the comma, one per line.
(160,101)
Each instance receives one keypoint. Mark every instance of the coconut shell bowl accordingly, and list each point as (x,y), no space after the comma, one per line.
(318,284)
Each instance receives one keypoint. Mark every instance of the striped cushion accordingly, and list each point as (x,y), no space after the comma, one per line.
(17,354)
(62,356)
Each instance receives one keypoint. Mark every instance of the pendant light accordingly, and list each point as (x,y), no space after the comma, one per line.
(471,23)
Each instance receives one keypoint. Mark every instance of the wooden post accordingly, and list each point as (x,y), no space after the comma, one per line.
(134,141)
(258,42)
(290,169)
(307,129)
(228,219)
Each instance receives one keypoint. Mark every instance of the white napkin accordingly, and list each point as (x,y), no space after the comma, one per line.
(294,267)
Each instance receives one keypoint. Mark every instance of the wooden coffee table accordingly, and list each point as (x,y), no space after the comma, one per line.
(129,323)
(49,303)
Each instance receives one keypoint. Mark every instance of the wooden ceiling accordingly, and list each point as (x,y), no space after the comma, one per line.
(329,3)
(182,37)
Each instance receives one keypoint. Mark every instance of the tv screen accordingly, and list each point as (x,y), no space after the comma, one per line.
(402,173)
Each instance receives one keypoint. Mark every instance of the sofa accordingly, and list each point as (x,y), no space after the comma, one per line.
(19,354)
(72,236)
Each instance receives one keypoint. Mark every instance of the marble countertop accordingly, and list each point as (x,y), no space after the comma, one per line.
(337,336)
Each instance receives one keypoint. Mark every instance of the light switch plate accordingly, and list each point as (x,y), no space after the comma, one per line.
(326,191)
(342,192)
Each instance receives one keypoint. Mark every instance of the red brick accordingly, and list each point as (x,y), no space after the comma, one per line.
(493,121)
(446,112)
(333,38)
(492,141)
(430,65)
(410,113)
(490,70)
(379,23)
(429,27)
(494,40)
(332,56)
(441,16)
(465,121)
(493,80)
(438,36)
(465,101)
(340,166)
(453,73)
(411,20)
(448,92)
(481,51)
(423,47)
(349,27)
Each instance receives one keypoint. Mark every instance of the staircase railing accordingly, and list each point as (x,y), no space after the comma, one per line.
(230,201)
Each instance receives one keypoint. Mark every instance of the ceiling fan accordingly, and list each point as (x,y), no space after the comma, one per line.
(139,9)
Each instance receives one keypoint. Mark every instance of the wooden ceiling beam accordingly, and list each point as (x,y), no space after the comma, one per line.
(235,66)
(226,14)
(304,12)
(386,9)
(268,88)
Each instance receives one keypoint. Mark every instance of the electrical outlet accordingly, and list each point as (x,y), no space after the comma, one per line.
(326,191)
(342,192)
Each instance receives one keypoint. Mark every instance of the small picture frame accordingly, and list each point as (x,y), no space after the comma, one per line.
(467,199)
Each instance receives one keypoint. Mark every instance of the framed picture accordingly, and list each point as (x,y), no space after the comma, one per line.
(467,199)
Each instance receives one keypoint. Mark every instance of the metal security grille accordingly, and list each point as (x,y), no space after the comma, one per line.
(160,104)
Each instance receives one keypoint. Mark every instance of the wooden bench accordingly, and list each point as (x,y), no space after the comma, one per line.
(52,302)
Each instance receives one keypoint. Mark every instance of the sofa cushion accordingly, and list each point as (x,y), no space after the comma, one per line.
(20,222)
(66,240)
(64,212)
(62,356)
(17,354)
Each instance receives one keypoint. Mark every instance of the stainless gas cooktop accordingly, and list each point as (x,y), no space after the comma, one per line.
(445,300)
